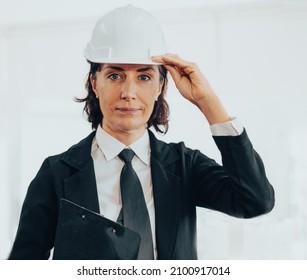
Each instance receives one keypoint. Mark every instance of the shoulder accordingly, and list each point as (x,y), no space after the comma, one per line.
(172,150)
(75,156)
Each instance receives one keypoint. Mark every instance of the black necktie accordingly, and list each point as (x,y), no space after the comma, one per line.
(134,211)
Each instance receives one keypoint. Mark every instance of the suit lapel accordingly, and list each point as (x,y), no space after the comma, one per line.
(80,187)
(166,190)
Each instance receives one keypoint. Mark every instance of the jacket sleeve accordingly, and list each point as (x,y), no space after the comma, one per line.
(240,187)
(38,219)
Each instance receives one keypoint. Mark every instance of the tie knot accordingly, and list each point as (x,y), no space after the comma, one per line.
(126,155)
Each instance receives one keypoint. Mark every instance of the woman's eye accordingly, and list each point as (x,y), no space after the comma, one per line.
(144,78)
(114,76)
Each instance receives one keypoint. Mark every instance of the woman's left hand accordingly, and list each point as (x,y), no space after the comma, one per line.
(193,85)
(189,80)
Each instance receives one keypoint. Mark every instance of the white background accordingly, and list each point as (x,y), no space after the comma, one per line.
(252,52)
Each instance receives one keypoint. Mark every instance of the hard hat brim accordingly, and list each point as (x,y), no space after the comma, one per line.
(92,56)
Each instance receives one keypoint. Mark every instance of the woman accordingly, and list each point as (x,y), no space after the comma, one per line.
(126,96)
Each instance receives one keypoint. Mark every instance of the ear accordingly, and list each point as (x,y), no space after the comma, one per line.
(157,96)
(162,83)
(93,83)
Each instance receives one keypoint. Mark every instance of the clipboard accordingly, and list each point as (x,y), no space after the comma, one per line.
(85,235)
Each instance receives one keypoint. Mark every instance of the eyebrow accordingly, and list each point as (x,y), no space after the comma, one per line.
(117,68)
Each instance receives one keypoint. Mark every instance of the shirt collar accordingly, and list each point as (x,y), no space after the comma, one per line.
(111,147)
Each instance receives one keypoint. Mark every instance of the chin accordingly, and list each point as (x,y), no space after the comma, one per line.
(132,127)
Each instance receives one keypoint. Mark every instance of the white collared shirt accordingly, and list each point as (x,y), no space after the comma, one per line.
(108,166)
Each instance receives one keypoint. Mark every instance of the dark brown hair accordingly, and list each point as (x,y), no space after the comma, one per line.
(160,113)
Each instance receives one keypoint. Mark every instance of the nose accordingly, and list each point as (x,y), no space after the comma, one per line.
(128,90)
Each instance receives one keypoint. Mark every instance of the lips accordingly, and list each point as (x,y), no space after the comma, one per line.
(128,110)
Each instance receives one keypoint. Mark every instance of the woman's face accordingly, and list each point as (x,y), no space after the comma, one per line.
(127,94)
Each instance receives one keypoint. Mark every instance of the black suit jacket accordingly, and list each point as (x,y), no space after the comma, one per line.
(182,179)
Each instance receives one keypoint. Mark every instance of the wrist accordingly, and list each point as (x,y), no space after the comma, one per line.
(213,109)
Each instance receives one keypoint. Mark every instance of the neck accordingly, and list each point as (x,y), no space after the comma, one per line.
(125,137)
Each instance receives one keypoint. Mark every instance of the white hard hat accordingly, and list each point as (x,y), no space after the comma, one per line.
(126,35)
